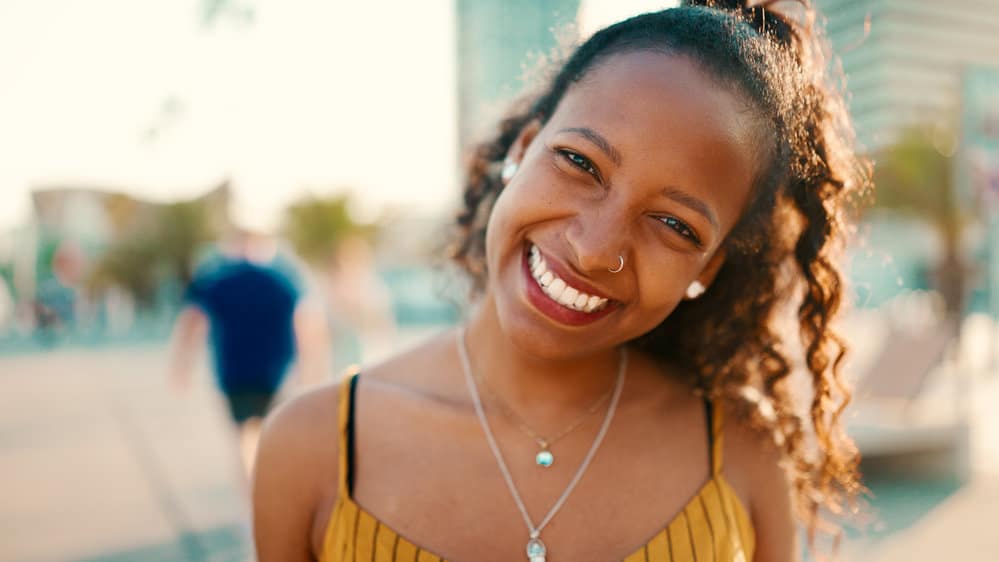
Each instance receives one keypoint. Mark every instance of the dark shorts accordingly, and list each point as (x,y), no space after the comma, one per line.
(246,405)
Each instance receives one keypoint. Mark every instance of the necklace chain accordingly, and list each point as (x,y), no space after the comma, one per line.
(542,442)
(535,531)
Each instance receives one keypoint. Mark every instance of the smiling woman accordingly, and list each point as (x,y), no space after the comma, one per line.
(636,234)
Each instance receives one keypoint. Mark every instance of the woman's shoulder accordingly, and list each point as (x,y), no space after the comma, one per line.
(751,461)
(296,470)
(299,439)
(750,453)
(306,428)
(424,375)
(754,466)
(304,420)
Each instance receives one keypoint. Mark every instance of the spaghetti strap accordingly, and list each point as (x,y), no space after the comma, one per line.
(345,430)
(717,438)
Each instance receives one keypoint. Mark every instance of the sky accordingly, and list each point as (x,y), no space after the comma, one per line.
(281,97)
(143,96)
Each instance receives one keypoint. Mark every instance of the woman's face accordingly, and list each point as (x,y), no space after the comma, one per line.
(646,158)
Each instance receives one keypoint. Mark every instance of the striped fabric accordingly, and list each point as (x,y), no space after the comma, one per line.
(713,526)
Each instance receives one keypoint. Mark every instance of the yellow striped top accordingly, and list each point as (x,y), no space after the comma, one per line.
(713,526)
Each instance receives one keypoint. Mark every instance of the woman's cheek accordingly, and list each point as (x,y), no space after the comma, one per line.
(523,202)
(659,293)
(502,226)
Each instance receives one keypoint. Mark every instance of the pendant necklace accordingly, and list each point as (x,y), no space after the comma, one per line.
(536,550)
(544,458)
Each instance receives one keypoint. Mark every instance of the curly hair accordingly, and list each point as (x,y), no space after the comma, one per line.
(782,255)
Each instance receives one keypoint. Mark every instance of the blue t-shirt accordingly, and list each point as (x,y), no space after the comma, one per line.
(250,307)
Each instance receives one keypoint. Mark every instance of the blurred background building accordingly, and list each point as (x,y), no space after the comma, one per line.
(907,62)
(918,74)
(501,45)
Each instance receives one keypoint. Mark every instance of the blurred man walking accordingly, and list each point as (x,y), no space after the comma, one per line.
(249,299)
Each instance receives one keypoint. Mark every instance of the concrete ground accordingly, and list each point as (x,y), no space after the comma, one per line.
(99,460)
(960,528)
(945,520)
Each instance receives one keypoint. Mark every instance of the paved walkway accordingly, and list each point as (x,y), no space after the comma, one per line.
(100,461)
(960,526)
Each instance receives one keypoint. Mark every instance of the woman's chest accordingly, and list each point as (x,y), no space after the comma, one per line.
(441,487)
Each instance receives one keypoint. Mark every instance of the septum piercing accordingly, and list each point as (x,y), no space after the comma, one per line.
(620,265)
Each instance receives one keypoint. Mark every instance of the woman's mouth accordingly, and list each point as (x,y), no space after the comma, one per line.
(556,288)
(553,296)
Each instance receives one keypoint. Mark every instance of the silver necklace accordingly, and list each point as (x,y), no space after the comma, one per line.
(536,550)
(544,458)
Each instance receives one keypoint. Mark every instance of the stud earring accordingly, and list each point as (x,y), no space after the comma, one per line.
(695,290)
(508,171)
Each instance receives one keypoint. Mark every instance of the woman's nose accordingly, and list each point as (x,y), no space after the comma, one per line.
(598,240)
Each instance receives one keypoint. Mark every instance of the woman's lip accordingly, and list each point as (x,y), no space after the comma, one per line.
(561,314)
(563,271)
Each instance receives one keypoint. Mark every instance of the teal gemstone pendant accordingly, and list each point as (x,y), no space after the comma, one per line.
(536,551)
(544,459)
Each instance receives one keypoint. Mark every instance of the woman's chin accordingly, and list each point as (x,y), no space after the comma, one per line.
(537,336)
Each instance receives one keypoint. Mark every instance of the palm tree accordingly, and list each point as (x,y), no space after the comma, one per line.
(314,225)
(162,247)
(915,177)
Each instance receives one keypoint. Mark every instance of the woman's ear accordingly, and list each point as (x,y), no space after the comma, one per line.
(703,282)
(523,142)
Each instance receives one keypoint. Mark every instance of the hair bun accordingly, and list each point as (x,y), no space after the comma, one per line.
(765,18)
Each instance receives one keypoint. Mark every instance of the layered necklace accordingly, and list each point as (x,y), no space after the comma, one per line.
(544,457)
(536,550)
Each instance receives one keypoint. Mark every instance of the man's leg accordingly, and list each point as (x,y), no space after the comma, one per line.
(249,435)
(248,410)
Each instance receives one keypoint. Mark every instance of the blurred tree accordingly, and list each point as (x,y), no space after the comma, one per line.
(915,177)
(122,211)
(315,224)
(164,248)
(130,265)
(182,228)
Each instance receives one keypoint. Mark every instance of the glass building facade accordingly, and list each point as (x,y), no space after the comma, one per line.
(905,60)
(500,42)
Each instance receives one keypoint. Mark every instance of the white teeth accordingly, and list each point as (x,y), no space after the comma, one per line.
(568,296)
(558,290)
(555,289)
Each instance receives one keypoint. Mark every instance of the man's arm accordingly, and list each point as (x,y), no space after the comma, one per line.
(187,342)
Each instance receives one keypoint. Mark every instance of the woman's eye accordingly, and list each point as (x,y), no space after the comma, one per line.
(581,162)
(681,228)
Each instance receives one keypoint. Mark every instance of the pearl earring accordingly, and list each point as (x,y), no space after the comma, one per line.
(508,171)
(695,290)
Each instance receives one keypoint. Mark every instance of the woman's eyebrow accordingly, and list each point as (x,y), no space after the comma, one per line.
(692,203)
(597,139)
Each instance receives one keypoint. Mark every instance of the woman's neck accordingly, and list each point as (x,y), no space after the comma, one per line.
(537,386)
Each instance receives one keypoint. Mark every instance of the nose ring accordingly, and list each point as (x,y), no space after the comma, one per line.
(620,265)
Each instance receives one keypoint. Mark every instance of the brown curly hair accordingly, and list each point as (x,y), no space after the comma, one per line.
(781,257)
